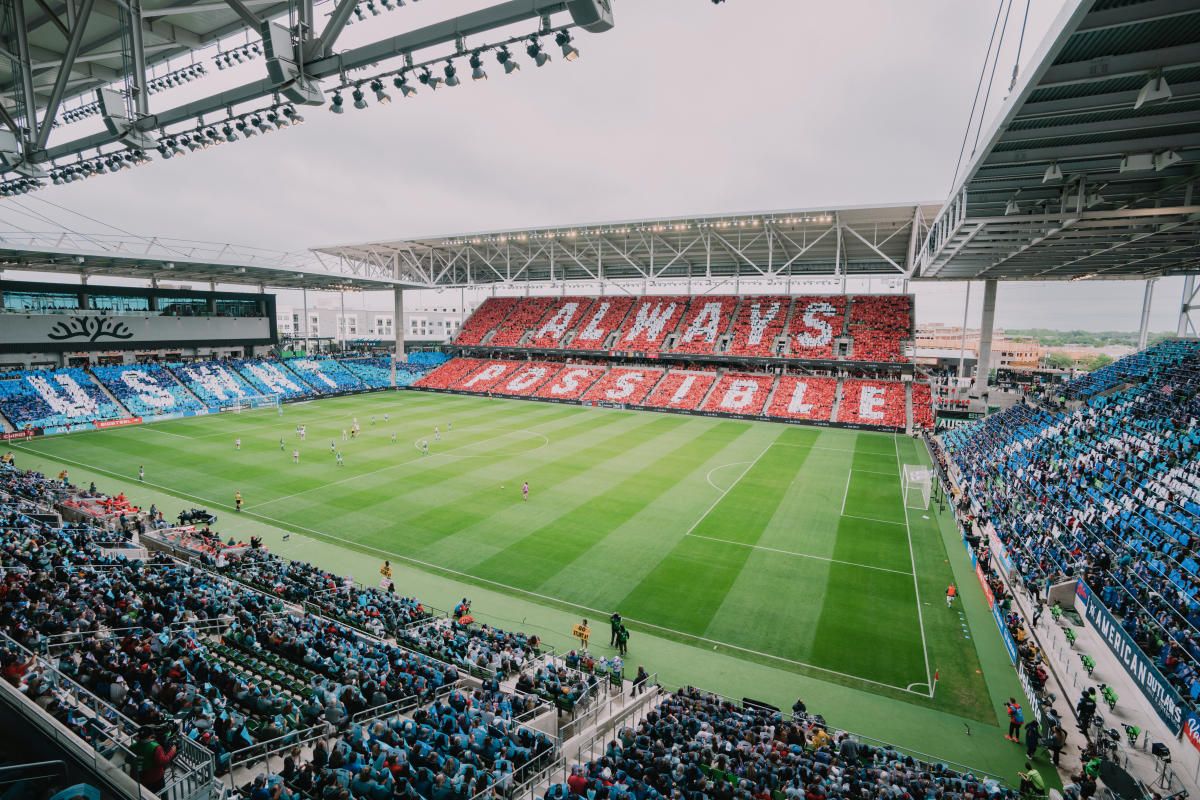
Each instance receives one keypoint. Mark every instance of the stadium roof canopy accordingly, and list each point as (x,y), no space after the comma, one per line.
(149,259)
(110,61)
(1091,170)
(800,243)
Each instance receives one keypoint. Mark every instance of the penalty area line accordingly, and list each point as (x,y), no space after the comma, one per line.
(435,568)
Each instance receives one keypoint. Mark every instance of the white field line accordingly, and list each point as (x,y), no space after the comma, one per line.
(798,555)
(876,519)
(447,453)
(916,587)
(479,580)
(708,477)
(846,493)
(721,493)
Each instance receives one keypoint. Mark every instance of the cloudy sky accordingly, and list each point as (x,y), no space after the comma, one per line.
(684,107)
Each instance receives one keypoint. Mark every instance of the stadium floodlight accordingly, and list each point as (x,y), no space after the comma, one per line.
(1137,162)
(429,79)
(244,128)
(406,89)
(1167,158)
(335,105)
(1154,92)
(477,73)
(1052,173)
(563,40)
(380,95)
(534,50)
(292,116)
(360,100)
(230,133)
(258,123)
(451,74)
(276,120)
(506,60)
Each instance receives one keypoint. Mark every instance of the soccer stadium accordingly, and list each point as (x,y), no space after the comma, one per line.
(627,506)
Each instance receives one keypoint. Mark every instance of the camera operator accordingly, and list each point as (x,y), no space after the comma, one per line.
(155,749)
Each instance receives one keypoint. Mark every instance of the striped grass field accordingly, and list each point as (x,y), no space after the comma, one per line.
(782,544)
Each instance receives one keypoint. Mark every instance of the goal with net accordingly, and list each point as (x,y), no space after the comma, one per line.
(254,401)
(918,485)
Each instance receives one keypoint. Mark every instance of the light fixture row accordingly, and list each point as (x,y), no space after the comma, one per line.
(656,228)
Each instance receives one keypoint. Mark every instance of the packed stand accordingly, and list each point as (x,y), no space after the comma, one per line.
(559,319)
(799,397)
(1110,493)
(272,377)
(878,325)
(760,321)
(216,383)
(570,383)
(649,323)
(324,375)
(1130,369)
(485,319)
(526,378)
(817,322)
(738,393)
(623,385)
(680,389)
(707,320)
(697,745)
(598,324)
(450,374)
(376,372)
(873,403)
(51,398)
(146,390)
(524,316)
(922,405)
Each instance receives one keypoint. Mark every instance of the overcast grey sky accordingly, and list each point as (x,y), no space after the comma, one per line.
(684,107)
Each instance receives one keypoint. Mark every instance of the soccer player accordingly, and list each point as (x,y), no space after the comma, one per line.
(437,434)
(525,491)
(951,592)
(340,463)
(281,446)
(141,473)
(303,432)
(295,456)
(279,408)
(386,417)
(424,447)
(237,501)
(393,437)
(449,427)
(372,419)
(332,447)
(345,435)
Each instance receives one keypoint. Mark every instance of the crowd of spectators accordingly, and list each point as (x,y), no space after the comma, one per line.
(146,390)
(1107,490)
(699,745)
(40,398)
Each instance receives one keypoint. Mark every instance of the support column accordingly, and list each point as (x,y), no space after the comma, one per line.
(962,342)
(398,327)
(1144,325)
(306,331)
(1185,306)
(986,323)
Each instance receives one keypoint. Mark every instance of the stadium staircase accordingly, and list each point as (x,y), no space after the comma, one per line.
(5,425)
(837,401)
(771,395)
(712,388)
(908,408)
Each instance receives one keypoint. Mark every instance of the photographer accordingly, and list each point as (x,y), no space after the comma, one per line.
(153,757)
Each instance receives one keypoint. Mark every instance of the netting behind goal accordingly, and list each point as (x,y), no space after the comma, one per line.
(918,485)
(254,401)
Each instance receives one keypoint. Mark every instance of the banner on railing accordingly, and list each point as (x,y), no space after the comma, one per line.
(1009,644)
(1161,695)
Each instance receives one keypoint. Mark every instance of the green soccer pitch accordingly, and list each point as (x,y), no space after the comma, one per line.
(785,549)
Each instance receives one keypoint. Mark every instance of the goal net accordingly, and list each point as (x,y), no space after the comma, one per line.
(918,485)
(254,401)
